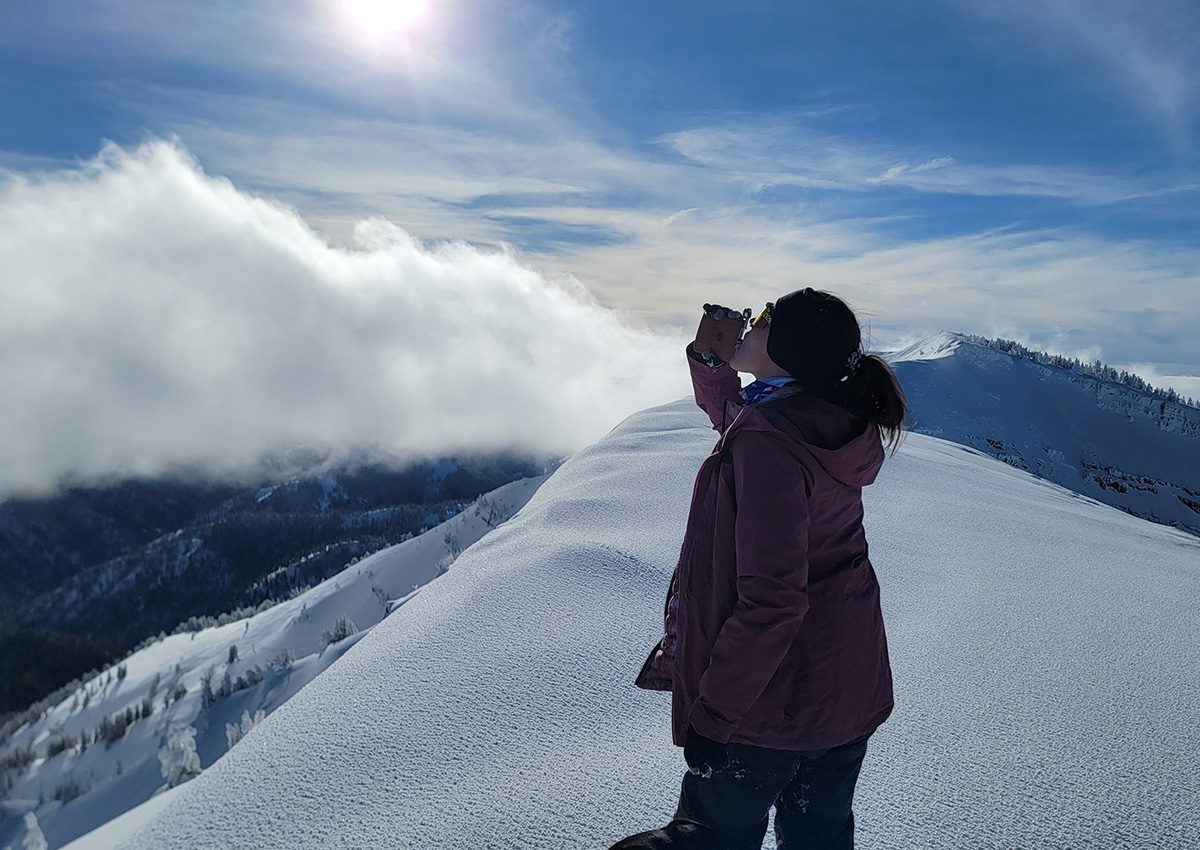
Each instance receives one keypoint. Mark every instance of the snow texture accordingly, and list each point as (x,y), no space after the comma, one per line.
(122,826)
(1045,649)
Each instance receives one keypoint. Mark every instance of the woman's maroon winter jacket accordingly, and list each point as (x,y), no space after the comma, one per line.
(774,634)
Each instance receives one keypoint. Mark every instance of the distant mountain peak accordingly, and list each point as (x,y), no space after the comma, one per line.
(941,344)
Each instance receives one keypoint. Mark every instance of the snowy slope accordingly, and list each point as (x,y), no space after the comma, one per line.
(1109,441)
(285,645)
(1045,649)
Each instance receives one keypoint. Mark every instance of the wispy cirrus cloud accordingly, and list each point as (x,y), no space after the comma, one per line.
(1149,52)
(789,155)
(1046,284)
(904,168)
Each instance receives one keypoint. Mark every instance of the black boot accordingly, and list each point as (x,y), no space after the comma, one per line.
(677,835)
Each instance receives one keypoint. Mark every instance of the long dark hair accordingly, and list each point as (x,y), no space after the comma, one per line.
(816,337)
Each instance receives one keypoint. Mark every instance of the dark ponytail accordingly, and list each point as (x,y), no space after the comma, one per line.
(815,337)
(872,391)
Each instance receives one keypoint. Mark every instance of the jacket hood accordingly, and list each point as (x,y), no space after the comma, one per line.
(846,446)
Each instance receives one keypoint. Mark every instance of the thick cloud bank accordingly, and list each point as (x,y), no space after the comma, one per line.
(156,316)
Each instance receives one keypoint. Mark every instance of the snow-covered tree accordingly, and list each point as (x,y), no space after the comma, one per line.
(453,544)
(1095,369)
(234,732)
(34,840)
(207,697)
(342,629)
(179,759)
(491,512)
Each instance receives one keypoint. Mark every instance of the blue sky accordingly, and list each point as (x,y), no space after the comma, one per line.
(1025,169)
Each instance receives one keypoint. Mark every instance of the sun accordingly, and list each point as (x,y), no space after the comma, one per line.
(383,17)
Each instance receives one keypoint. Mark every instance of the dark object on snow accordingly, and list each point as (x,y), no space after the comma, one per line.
(725,808)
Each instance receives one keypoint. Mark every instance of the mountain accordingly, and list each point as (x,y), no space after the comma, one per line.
(95,754)
(1128,447)
(89,573)
(1044,648)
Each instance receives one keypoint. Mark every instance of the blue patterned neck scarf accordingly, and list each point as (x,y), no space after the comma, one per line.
(760,391)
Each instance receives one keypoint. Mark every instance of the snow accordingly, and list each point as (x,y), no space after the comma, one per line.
(1109,441)
(1045,649)
(940,345)
(119,828)
(284,643)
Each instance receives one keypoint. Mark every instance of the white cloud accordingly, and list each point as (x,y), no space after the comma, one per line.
(903,168)
(675,216)
(156,316)
(895,171)
(936,162)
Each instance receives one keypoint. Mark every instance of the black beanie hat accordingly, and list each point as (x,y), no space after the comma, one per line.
(812,335)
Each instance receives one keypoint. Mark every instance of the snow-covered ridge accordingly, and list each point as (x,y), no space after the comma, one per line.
(1121,445)
(939,345)
(203,560)
(1041,643)
(96,754)
(945,343)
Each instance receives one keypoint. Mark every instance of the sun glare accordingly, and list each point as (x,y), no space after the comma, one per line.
(383,17)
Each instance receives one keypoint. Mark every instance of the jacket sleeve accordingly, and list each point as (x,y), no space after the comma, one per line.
(715,388)
(771,545)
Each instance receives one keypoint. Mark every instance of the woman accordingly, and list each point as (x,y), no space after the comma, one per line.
(774,651)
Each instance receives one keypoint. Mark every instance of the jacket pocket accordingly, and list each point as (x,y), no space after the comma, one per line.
(654,676)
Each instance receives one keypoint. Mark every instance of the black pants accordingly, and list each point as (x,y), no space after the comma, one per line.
(727,808)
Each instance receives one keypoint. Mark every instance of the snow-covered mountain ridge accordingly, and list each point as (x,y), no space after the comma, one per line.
(96,753)
(90,572)
(1127,447)
(1044,649)
(944,343)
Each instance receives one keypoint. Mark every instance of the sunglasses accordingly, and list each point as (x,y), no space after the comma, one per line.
(763,319)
